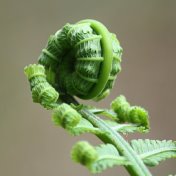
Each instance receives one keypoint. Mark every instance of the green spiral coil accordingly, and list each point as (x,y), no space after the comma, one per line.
(82,59)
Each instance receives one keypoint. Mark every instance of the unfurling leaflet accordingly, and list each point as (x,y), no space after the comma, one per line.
(42,91)
(84,153)
(65,116)
(127,113)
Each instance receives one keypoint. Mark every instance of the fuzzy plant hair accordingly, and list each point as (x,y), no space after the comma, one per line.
(82,60)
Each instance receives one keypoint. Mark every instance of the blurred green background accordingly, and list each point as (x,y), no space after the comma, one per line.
(30,144)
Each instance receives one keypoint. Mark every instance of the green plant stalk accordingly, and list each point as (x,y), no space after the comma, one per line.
(137,168)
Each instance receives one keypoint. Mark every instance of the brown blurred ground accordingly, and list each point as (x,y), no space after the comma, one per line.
(29,143)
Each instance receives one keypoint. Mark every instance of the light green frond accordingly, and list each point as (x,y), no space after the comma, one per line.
(126,128)
(105,112)
(154,151)
(108,156)
(84,126)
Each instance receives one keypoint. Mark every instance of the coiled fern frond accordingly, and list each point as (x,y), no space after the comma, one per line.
(83,60)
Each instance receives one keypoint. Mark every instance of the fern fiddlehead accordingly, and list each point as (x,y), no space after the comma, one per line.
(83,60)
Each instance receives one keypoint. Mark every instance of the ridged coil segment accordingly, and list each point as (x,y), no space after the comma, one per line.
(42,91)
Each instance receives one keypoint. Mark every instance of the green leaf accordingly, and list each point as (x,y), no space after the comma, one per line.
(84,126)
(126,128)
(122,128)
(108,156)
(105,112)
(154,151)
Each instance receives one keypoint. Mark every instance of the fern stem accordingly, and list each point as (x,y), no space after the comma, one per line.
(137,168)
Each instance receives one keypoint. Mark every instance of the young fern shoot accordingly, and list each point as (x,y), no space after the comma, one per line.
(83,60)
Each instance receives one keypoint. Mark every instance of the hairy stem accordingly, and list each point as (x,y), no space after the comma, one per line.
(137,168)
